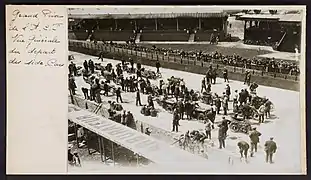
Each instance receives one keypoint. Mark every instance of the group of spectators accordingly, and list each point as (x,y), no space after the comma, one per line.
(262,64)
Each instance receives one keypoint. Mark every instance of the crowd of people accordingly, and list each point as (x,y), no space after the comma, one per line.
(261,64)
(176,88)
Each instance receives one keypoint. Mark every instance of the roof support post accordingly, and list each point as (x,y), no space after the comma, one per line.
(177,24)
(244,29)
(112,153)
(156,24)
(116,24)
(200,24)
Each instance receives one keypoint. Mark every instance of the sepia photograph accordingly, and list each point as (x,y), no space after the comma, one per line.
(186,89)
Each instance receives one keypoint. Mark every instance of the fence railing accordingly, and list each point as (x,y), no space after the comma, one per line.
(107,48)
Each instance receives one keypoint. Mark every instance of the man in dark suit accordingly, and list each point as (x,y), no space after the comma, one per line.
(270,148)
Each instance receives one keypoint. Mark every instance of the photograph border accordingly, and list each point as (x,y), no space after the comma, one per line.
(302,85)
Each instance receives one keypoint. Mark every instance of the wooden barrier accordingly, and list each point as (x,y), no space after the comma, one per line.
(185,64)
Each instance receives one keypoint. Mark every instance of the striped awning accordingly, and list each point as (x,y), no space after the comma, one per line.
(148,16)
(276,17)
(291,18)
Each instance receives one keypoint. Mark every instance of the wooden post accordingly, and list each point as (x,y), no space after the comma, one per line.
(104,149)
(112,153)
(177,25)
(137,160)
(156,24)
(88,142)
(244,29)
(76,134)
(100,147)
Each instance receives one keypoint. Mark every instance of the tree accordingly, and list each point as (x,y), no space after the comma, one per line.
(257,11)
(245,11)
(273,11)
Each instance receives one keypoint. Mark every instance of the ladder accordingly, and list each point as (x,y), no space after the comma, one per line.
(191,37)
(137,39)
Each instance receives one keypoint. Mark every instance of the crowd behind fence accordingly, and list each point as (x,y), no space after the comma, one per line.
(258,67)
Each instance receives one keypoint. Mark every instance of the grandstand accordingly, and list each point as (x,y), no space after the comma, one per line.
(282,31)
(167,24)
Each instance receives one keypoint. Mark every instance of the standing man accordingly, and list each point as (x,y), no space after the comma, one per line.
(254,136)
(123,121)
(138,102)
(270,148)
(225,75)
(225,103)
(101,56)
(246,76)
(118,93)
(208,87)
(175,121)
(268,105)
(225,125)
(75,70)
(243,146)
(86,66)
(158,65)
(228,91)
(203,86)
(91,66)
(132,64)
(70,67)
(221,137)
(218,104)
(261,113)
(72,85)
(208,129)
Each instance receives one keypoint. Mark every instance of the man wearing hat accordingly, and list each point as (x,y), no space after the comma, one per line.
(225,75)
(254,137)
(247,77)
(225,104)
(270,148)
(228,91)
(175,120)
(225,125)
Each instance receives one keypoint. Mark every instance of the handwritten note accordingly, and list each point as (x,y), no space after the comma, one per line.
(33,37)
(36,51)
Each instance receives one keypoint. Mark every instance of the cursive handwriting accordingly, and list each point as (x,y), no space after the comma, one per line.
(50,14)
(14,51)
(17,14)
(43,39)
(15,61)
(53,62)
(34,62)
(19,38)
(37,51)
(33,36)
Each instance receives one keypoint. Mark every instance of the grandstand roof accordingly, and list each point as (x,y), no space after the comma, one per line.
(146,146)
(144,13)
(275,17)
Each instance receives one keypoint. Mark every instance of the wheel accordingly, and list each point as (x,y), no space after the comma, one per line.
(201,116)
(234,128)
(244,130)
